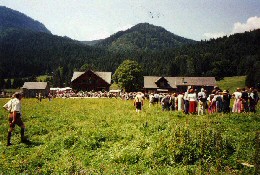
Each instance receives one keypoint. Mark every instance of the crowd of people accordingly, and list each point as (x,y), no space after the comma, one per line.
(190,102)
(83,94)
(193,102)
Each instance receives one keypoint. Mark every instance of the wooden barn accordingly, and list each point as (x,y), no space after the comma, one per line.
(90,80)
(30,89)
(177,84)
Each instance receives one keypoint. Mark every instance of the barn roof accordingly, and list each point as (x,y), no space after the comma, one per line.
(35,85)
(196,81)
(150,81)
(106,76)
(76,75)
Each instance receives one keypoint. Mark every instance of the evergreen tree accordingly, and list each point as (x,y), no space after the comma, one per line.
(20,82)
(8,84)
(2,83)
(253,77)
(57,78)
(32,78)
(86,67)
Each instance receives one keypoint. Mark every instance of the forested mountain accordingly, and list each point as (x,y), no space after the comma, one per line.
(25,53)
(143,36)
(28,52)
(226,56)
(238,54)
(11,19)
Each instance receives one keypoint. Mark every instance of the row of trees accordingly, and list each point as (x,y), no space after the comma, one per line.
(16,82)
(129,75)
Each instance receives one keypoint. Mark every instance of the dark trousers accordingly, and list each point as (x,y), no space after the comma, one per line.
(186,106)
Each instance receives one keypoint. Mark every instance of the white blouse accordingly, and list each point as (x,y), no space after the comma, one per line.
(238,95)
(16,105)
(192,97)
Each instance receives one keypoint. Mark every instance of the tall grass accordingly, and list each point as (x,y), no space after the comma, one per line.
(107,136)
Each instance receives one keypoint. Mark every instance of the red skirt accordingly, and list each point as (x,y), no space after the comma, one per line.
(192,107)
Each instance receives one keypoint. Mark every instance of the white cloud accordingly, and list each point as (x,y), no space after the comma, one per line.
(214,35)
(251,24)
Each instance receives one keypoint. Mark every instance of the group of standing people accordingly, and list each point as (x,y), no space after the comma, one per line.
(192,102)
(245,101)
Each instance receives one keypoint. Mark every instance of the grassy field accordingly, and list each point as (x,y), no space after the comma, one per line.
(231,83)
(107,136)
(43,77)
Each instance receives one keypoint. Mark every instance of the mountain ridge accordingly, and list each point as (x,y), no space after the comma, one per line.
(12,19)
(144,36)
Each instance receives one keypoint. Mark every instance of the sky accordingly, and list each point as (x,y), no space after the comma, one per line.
(87,20)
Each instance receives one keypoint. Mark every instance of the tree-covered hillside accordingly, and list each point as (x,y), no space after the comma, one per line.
(33,53)
(227,56)
(25,53)
(13,19)
(143,36)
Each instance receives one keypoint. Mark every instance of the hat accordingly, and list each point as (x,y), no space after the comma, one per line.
(16,94)
(224,92)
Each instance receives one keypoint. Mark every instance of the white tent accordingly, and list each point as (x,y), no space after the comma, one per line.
(115,91)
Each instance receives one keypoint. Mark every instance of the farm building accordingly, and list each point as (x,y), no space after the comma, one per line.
(90,80)
(30,89)
(177,84)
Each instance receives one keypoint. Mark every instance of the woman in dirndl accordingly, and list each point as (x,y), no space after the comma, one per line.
(192,97)
(237,101)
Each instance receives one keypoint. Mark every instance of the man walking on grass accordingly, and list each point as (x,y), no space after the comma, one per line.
(15,118)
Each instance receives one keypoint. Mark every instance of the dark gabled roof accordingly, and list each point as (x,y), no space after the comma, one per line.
(161,79)
(35,85)
(106,76)
(149,81)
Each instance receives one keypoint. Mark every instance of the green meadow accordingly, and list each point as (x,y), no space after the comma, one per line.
(107,136)
(231,83)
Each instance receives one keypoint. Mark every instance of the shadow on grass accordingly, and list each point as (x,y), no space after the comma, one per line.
(31,144)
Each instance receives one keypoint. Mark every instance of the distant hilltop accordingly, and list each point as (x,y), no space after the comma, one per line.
(144,36)
(11,19)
